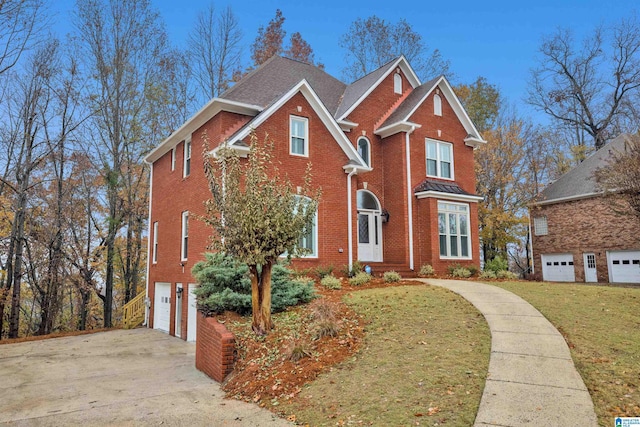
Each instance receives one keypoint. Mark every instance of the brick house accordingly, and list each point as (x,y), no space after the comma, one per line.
(577,237)
(393,156)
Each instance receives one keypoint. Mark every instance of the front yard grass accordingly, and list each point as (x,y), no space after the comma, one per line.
(602,327)
(423,361)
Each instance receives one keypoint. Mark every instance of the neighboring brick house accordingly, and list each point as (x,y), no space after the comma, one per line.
(577,236)
(393,157)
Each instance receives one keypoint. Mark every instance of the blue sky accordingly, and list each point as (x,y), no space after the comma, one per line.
(494,39)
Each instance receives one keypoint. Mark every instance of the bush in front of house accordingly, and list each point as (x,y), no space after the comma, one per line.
(360,279)
(488,275)
(331,282)
(391,277)
(508,275)
(426,270)
(225,285)
(496,264)
(461,272)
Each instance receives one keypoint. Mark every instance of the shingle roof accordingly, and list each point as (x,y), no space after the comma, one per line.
(442,187)
(580,180)
(402,112)
(278,75)
(355,90)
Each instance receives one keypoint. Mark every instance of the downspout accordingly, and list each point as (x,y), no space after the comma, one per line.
(409,196)
(149,249)
(349,218)
(533,264)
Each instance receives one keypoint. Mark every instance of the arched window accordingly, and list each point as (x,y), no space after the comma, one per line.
(364,149)
(397,83)
(366,200)
(437,105)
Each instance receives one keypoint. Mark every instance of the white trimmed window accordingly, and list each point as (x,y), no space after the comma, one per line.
(187,157)
(439,159)
(173,159)
(397,83)
(437,105)
(184,240)
(299,131)
(309,239)
(155,243)
(364,149)
(540,226)
(454,231)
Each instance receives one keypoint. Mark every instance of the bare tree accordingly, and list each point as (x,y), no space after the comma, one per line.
(124,43)
(215,50)
(20,22)
(590,87)
(372,42)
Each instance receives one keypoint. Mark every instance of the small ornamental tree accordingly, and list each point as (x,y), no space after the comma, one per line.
(257,215)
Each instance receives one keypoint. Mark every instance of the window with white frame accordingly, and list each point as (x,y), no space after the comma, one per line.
(309,239)
(454,231)
(397,83)
(155,243)
(184,248)
(173,159)
(439,159)
(437,105)
(364,149)
(540,226)
(187,157)
(299,130)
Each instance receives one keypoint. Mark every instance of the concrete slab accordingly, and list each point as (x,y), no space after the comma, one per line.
(548,345)
(119,378)
(512,404)
(535,325)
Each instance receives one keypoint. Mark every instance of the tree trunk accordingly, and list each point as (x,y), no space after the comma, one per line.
(261,299)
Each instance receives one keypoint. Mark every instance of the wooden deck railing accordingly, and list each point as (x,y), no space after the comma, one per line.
(133,312)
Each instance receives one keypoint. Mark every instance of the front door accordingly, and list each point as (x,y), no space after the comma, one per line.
(369,236)
(590,271)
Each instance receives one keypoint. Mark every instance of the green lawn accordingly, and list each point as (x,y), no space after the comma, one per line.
(602,326)
(423,362)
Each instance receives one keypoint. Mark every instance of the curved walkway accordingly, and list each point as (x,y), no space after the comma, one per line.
(531,379)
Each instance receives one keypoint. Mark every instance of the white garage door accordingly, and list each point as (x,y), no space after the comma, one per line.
(162,306)
(624,266)
(558,268)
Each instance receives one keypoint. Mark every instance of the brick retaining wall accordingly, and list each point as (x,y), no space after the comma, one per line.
(215,348)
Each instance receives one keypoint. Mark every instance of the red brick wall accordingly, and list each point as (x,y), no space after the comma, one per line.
(583,226)
(215,348)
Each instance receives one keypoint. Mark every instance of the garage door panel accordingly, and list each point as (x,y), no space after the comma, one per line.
(624,266)
(558,268)
(162,307)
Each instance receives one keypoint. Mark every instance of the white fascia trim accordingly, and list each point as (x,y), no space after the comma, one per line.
(349,167)
(347,125)
(401,62)
(567,199)
(242,150)
(212,108)
(403,126)
(449,196)
(327,119)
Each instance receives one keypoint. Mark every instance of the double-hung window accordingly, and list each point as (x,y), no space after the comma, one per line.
(184,241)
(299,131)
(453,230)
(540,226)
(439,159)
(187,157)
(309,240)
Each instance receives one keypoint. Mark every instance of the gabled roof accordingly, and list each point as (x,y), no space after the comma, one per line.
(579,182)
(276,76)
(320,109)
(357,91)
(402,115)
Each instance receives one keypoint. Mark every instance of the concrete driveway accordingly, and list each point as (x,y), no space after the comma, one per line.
(123,378)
